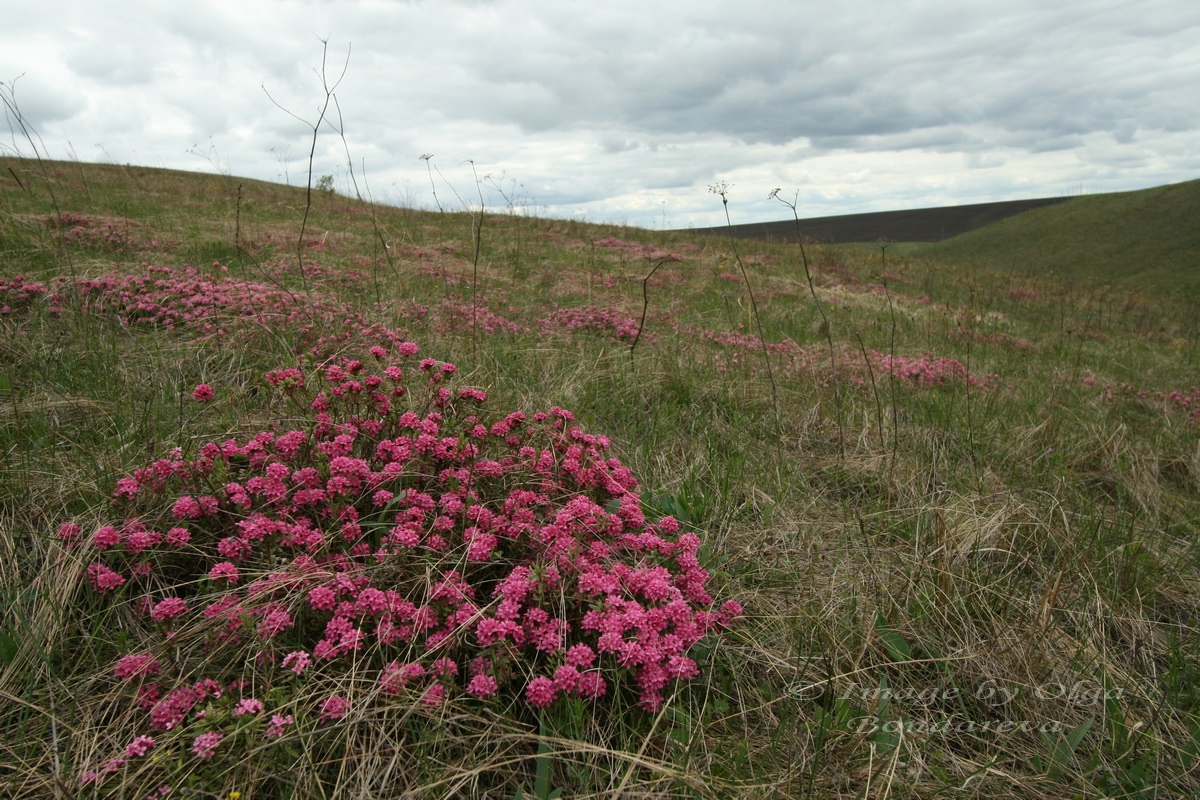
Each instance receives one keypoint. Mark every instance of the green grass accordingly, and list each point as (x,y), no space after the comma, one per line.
(952,590)
(1139,241)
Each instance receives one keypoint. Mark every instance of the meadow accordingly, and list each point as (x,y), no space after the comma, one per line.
(302,496)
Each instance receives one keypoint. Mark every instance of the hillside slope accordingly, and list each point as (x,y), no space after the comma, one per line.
(1149,240)
(330,499)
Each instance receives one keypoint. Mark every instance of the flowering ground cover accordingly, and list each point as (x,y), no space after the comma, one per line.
(285,518)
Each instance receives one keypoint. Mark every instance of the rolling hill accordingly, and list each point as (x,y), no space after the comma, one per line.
(1147,240)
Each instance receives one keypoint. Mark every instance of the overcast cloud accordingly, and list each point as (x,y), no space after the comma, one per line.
(627,111)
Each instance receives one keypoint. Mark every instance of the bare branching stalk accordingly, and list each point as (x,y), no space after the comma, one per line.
(433,186)
(477,235)
(329,89)
(379,237)
(874,389)
(722,189)
(837,389)
(237,226)
(645,302)
(457,196)
(511,205)
(341,130)
(894,379)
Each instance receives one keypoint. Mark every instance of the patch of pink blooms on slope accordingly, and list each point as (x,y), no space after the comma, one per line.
(462,558)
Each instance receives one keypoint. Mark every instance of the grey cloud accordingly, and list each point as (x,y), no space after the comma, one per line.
(622,102)
(40,102)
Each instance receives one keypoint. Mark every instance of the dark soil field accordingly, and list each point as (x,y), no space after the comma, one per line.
(910,225)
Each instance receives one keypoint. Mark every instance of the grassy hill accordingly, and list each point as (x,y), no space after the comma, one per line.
(305,497)
(1148,240)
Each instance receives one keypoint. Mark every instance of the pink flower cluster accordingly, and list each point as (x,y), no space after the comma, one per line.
(18,293)
(930,370)
(610,321)
(647,251)
(117,236)
(464,557)
(209,306)
(456,314)
(1185,401)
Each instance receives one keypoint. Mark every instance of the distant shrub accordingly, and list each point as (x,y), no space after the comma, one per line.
(18,293)
(112,235)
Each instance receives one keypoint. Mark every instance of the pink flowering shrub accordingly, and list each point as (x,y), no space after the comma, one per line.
(18,293)
(930,370)
(646,251)
(116,236)
(392,528)
(462,315)
(205,305)
(1184,401)
(608,321)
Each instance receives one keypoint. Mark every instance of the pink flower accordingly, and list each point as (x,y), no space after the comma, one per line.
(178,537)
(168,608)
(224,571)
(482,685)
(322,598)
(297,661)
(277,724)
(248,706)
(275,623)
(233,548)
(139,540)
(106,536)
(395,678)
(581,656)
(68,532)
(566,678)
(540,692)
(335,707)
(434,696)
(203,393)
(591,684)
(205,744)
(443,667)
(186,507)
(136,665)
(139,746)
(731,609)
(104,579)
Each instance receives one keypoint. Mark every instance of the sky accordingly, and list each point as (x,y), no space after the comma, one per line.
(624,111)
